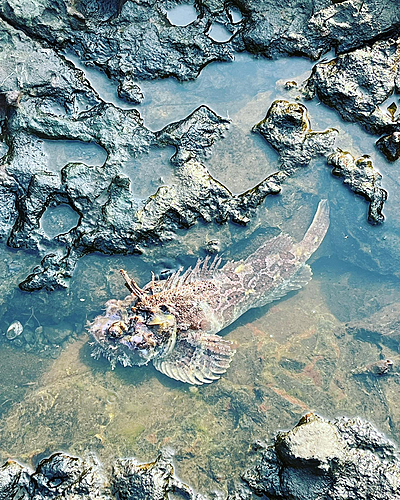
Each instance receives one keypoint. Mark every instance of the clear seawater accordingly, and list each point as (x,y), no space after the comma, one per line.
(293,355)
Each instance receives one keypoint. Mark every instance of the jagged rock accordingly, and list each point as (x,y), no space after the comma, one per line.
(129,91)
(312,28)
(363,179)
(390,146)
(60,475)
(194,135)
(318,458)
(325,460)
(112,220)
(356,83)
(137,41)
(73,478)
(309,28)
(287,128)
(151,481)
(49,98)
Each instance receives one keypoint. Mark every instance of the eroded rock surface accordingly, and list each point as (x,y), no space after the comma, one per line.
(325,460)
(390,146)
(316,459)
(362,178)
(43,96)
(287,128)
(148,481)
(358,82)
(74,478)
(58,476)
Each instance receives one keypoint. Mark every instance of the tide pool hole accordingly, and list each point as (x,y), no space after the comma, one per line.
(58,219)
(61,152)
(149,171)
(182,15)
(219,33)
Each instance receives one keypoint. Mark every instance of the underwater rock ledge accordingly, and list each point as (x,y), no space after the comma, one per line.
(318,458)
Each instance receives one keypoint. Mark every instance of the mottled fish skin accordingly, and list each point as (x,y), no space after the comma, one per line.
(174,322)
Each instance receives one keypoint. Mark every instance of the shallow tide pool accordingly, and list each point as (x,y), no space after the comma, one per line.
(293,355)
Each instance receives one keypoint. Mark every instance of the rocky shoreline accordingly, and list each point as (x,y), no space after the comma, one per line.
(318,458)
(44,97)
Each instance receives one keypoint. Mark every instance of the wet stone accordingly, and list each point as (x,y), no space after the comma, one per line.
(147,481)
(362,178)
(390,146)
(358,82)
(287,128)
(130,91)
(323,459)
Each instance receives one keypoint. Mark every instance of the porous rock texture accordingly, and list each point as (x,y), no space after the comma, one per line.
(44,96)
(327,460)
(362,178)
(318,458)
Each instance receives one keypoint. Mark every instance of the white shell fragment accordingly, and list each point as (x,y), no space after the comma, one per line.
(14,330)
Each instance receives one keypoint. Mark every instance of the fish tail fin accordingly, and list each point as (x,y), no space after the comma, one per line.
(317,230)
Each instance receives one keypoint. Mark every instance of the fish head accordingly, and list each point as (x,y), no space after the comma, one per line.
(137,338)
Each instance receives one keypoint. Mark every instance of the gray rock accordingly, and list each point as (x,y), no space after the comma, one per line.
(73,478)
(133,481)
(312,27)
(112,220)
(316,459)
(287,128)
(129,91)
(58,476)
(137,40)
(194,135)
(363,179)
(15,481)
(356,83)
(390,146)
(325,460)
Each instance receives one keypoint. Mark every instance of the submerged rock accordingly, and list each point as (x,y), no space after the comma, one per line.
(382,327)
(325,460)
(363,179)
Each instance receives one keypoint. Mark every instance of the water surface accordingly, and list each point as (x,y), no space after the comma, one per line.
(293,356)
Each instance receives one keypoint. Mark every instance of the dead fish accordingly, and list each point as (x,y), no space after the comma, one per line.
(174,322)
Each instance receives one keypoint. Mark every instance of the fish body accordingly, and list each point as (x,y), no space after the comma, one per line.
(174,322)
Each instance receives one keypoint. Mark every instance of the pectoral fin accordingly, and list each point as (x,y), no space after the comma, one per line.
(197,358)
